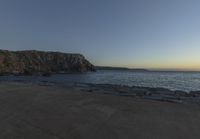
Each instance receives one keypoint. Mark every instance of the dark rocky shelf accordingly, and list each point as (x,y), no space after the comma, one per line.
(156,94)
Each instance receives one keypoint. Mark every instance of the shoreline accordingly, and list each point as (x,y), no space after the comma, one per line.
(156,94)
(149,93)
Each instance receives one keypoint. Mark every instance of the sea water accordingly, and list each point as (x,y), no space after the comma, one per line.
(185,81)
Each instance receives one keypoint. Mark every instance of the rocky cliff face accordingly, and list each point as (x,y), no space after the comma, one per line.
(33,62)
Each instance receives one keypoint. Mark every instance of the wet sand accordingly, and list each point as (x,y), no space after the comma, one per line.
(31,111)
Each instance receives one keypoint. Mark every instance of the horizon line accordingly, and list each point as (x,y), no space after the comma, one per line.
(152,69)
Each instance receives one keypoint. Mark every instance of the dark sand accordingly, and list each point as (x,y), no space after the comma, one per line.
(48,112)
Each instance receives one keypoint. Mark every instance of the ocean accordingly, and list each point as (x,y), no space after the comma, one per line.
(185,81)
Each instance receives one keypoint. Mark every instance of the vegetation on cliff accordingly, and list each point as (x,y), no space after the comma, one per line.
(34,62)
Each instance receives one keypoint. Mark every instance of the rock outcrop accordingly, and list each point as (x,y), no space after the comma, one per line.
(39,62)
(155,94)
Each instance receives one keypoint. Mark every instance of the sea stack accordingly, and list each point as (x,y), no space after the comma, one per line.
(40,62)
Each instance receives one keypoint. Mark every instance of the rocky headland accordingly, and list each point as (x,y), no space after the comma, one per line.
(42,63)
(121,68)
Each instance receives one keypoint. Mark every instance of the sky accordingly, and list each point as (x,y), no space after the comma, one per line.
(154,34)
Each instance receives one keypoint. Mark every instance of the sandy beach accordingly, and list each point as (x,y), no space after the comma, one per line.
(31,111)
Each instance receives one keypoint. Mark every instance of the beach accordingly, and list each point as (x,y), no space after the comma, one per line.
(45,111)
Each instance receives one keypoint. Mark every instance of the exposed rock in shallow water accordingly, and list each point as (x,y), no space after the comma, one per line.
(44,63)
(195,93)
(157,94)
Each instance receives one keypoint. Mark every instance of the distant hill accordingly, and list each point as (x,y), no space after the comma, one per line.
(118,68)
(34,62)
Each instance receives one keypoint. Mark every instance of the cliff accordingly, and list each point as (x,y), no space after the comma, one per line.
(34,62)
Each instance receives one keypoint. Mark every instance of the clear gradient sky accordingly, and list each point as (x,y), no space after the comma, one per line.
(131,33)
